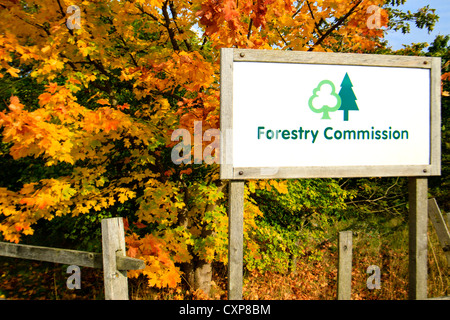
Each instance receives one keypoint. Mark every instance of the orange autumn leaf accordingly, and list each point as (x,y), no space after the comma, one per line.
(140,225)
(52,87)
(132,252)
(126,224)
(13,72)
(124,106)
(44,98)
(15,104)
(186,171)
(103,101)
(74,81)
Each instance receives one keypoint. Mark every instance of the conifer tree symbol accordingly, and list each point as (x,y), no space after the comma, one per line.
(348,98)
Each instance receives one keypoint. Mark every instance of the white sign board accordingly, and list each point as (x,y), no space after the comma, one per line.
(302,114)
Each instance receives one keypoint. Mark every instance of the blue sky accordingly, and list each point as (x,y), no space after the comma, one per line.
(396,39)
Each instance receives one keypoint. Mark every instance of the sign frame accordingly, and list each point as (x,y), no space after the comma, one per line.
(231,55)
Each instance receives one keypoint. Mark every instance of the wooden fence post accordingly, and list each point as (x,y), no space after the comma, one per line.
(448,219)
(418,238)
(113,259)
(345,244)
(113,245)
(235,239)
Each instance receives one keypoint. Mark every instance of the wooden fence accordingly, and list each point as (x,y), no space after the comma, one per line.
(112,260)
(345,251)
(115,263)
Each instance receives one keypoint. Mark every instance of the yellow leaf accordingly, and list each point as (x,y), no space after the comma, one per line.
(13,72)
(122,198)
(103,101)
(45,49)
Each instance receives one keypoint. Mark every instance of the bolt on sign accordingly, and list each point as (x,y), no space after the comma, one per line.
(288,114)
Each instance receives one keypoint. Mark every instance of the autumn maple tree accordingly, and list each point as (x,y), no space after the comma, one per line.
(112,86)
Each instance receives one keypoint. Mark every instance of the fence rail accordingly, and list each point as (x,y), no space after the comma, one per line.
(112,260)
(438,222)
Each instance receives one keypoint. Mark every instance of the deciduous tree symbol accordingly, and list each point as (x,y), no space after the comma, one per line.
(348,98)
(324,99)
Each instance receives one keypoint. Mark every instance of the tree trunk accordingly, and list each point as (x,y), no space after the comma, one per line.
(189,276)
(198,272)
(198,275)
(203,276)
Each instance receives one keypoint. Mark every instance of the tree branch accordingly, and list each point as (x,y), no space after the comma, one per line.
(63,13)
(149,14)
(297,12)
(335,26)
(249,29)
(175,45)
(180,31)
(282,38)
(128,49)
(314,18)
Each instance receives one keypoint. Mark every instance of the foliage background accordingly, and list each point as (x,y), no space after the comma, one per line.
(87,116)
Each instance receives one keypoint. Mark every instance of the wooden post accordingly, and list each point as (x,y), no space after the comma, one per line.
(113,244)
(235,239)
(418,240)
(448,219)
(345,244)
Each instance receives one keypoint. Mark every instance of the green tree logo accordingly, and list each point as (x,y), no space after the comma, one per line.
(325,99)
(348,98)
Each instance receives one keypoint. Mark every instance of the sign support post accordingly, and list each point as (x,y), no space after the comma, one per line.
(235,239)
(418,240)
(280,118)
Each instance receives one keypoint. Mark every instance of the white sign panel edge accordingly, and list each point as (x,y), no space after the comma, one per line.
(230,170)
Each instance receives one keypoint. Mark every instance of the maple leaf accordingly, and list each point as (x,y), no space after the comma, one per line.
(15,104)
(260,12)
(13,72)
(44,98)
(132,252)
(140,225)
(229,10)
(124,106)
(186,171)
(103,102)
(52,87)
